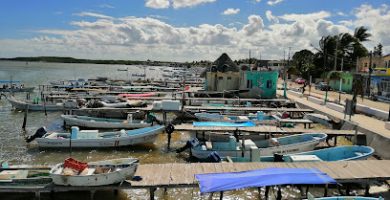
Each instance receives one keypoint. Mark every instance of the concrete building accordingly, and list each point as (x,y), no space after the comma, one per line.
(250,80)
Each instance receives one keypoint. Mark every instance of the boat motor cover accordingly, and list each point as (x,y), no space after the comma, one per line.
(225,124)
(217,182)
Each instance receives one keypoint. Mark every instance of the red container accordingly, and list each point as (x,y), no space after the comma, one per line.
(74,164)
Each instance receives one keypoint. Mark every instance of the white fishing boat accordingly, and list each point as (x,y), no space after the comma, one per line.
(94,173)
(283,145)
(38,105)
(96,139)
(103,123)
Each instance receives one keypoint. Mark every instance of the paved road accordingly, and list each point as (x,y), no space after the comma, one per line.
(334,96)
(369,123)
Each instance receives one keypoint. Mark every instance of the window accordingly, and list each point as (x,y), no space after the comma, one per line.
(365,64)
(269,84)
(374,65)
(220,78)
(248,83)
(229,78)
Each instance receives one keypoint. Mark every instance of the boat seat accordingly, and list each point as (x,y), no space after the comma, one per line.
(91,171)
(248,144)
(243,118)
(359,153)
(209,145)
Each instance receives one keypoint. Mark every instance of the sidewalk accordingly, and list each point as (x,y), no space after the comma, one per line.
(377,135)
(334,97)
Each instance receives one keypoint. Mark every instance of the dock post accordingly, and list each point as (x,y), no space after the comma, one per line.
(266,192)
(259,191)
(164,118)
(151,192)
(25,118)
(37,195)
(326,190)
(92,194)
(221,195)
(279,193)
(367,190)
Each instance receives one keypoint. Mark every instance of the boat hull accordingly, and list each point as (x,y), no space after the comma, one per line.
(95,179)
(142,138)
(21,105)
(288,145)
(71,120)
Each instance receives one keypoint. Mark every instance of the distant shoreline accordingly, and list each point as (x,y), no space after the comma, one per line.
(50,59)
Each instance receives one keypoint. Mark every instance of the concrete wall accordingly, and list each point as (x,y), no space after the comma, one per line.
(218,81)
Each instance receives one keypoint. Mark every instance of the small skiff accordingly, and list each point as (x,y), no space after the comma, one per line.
(96,139)
(95,173)
(281,145)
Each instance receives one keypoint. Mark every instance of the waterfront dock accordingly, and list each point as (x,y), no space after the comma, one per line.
(165,176)
(377,135)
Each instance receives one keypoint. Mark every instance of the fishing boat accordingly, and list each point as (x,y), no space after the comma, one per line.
(258,118)
(22,175)
(341,153)
(283,145)
(96,139)
(149,94)
(103,123)
(14,86)
(38,105)
(74,173)
(346,198)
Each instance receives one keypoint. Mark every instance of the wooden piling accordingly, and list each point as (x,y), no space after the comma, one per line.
(221,195)
(151,192)
(25,118)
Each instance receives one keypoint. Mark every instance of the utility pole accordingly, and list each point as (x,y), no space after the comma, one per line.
(369,76)
(341,78)
(284,75)
(335,55)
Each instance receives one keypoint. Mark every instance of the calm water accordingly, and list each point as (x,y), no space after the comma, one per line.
(14,149)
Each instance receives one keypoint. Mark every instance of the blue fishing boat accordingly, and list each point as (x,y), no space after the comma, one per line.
(341,153)
(347,198)
(95,139)
(257,118)
(245,148)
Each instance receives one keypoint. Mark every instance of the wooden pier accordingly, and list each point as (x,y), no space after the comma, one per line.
(265,130)
(182,175)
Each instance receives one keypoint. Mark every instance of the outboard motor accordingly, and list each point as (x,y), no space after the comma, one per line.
(278,158)
(213,157)
(38,134)
(190,143)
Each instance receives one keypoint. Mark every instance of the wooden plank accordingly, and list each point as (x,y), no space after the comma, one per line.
(143,171)
(181,174)
(161,174)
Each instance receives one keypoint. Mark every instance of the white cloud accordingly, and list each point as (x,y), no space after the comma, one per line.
(95,15)
(270,17)
(255,24)
(106,6)
(341,14)
(274,2)
(189,3)
(377,20)
(308,16)
(231,11)
(161,4)
(142,38)
(157,4)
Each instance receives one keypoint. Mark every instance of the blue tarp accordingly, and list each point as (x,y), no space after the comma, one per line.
(216,182)
(225,124)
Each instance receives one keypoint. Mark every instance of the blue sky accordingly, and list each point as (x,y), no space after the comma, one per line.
(32,28)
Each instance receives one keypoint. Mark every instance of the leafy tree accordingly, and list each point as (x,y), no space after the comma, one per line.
(303,62)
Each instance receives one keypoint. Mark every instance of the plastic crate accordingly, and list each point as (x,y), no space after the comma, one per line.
(75,165)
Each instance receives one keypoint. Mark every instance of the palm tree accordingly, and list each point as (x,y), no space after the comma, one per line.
(361,34)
